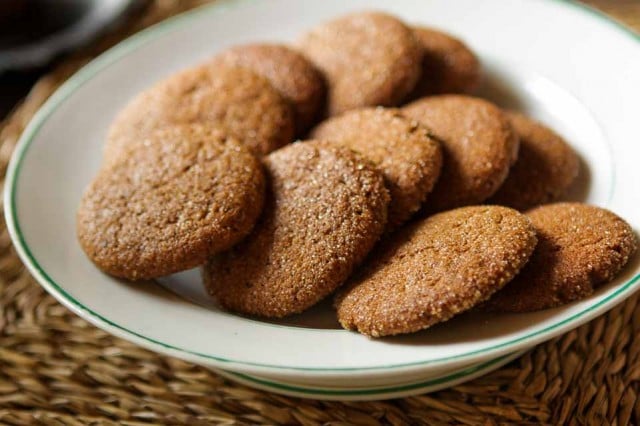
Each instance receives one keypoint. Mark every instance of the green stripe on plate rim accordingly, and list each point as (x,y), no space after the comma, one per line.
(373,390)
(121,50)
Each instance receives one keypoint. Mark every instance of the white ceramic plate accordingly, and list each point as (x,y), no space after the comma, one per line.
(571,68)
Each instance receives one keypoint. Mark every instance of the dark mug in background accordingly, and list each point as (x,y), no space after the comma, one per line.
(33,32)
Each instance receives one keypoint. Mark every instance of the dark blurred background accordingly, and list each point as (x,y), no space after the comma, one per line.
(23,24)
(36,34)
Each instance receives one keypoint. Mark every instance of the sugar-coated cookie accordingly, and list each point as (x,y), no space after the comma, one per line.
(479,145)
(580,247)
(545,168)
(293,75)
(170,202)
(448,65)
(235,99)
(400,148)
(436,268)
(326,207)
(368,59)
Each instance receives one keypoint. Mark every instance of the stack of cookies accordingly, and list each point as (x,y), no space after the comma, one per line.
(407,198)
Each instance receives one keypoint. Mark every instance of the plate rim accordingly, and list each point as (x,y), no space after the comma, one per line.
(130,44)
(453,378)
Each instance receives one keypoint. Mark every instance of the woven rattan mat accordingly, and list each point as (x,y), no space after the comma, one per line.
(57,369)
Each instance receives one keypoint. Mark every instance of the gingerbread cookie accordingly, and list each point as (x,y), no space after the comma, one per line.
(293,75)
(169,203)
(436,268)
(400,148)
(580,248)
(235,99)
(325,210)
(478,144)
(545,168)
(368,59)
(448,65)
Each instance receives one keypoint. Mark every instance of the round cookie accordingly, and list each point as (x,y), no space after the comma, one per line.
(293,75)
(325,210)
(169,203)
(580,247)
(436,268)
(400,148)
(235,99)
(545,168)
(448,65)
(478,145)
(368,59)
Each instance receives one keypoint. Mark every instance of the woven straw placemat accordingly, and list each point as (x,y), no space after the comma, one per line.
(56,368)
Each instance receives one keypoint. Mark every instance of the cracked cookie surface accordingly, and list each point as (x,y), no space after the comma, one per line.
(170,202)
(580,247)
(401,148)
(325,209)
(290,73)
(234,99)
(433,269)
